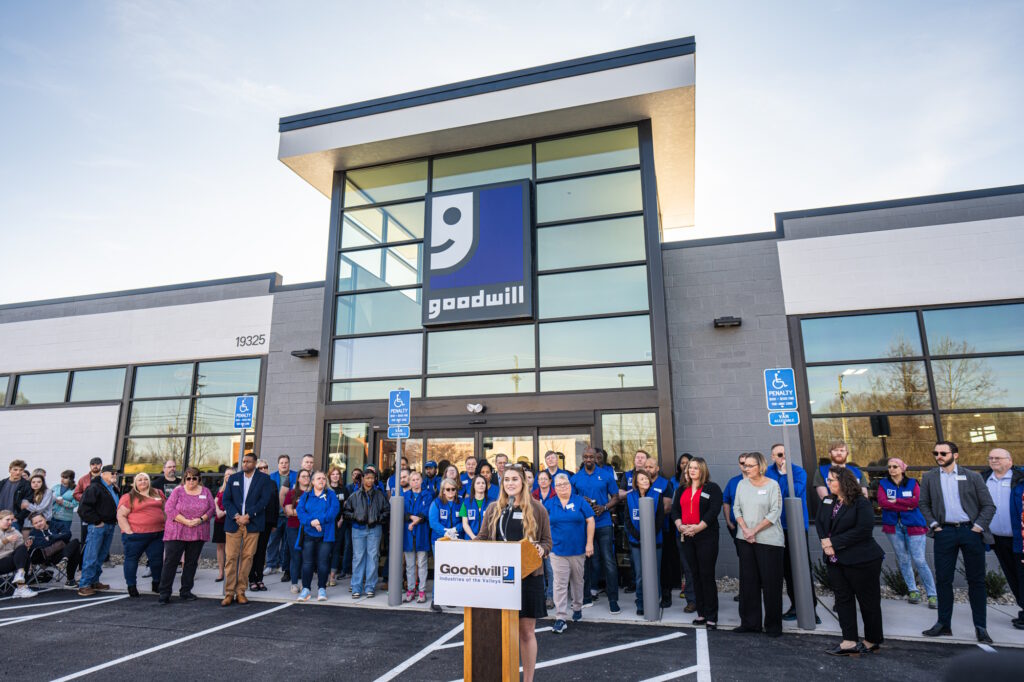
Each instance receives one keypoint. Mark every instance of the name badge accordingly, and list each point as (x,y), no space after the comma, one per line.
(1006,484)
(961,477)
(202,497)
(571,505)
(636,514)
(705,496)
(762,492)
(908,493)
(235,483)
(517,515)
(826,501)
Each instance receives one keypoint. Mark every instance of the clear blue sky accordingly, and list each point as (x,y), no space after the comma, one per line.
(139,139)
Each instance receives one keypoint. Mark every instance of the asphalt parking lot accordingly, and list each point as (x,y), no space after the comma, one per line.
(57,636)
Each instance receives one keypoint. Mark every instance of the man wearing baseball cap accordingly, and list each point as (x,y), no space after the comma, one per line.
(430,480)
(94,470)
(99,512)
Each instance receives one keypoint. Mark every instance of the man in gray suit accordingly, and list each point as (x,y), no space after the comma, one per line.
(958,509)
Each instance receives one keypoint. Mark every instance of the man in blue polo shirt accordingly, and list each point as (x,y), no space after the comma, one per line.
(466,477)
(430,478)
(778,471)
(551,462)
(390,490)
(600,491)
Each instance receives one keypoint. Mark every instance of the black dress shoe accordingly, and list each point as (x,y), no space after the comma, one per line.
(1019,624)
(938,630)
(133,591)
(286,577)
(838,650)
(164,600)
(187,596)
(873,648)
(699,621)
(982,634)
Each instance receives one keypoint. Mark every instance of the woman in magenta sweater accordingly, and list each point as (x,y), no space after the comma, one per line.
(189,510)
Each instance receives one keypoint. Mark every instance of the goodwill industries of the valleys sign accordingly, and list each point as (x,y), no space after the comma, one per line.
(478,574)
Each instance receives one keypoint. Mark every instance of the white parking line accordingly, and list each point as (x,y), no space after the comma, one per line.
(166,645)
(703,657)
(427,650)
(25,619)
(53,603)
(456,645)
(986,647)
(674,675)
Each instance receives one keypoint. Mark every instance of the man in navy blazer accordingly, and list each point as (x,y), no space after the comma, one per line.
(246,497)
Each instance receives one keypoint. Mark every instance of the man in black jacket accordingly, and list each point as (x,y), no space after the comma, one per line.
(49,546)
(368,511)
(98,510)
(15,488)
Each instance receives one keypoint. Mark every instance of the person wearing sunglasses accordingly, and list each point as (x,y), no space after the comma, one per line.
(270,515)
(958,508)
(444,518)
(899,496)
(188,510)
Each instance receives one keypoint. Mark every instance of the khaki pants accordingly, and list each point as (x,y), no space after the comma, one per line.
(239,549)
(567,576)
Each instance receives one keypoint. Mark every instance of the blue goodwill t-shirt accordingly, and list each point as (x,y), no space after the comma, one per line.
(568,525)
(598,486)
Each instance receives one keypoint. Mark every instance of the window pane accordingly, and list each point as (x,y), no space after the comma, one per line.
(210,453)
(979,382)
(149,454)
(592,342)
(229,376)
(597,378)
(911,439)
(482,384)
(159,381)
(3,390)
(482,168)
(378,268)
(623,434)
(451,449)
(884,386)
(976,434)
(373,390)
(372,226)
(570,446)
(412,451)
(890,335)
(36,389)
(587,152)
(474,350)
(158,417)
(385,183)
(615,290)
(97,384)
(347,447)
(594,243)
(381,311)
(989,329)
(217,415)
(518,448)
(582,197)
(378,356)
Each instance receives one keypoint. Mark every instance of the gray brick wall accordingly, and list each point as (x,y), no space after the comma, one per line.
(289,413)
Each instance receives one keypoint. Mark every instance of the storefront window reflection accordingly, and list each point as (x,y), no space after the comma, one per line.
(624,433)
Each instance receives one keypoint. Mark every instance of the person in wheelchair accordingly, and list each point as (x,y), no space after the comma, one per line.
(48,546)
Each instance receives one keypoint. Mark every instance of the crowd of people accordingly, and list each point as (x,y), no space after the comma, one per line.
(310,522)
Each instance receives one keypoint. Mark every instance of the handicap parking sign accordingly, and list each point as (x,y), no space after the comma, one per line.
(398,407)
(244,405)
(780,388)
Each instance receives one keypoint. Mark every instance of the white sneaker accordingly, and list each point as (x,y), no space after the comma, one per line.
(148,573)
(19,577)
(23,592)
(295,589)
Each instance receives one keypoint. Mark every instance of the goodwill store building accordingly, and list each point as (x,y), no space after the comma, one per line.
(503,248)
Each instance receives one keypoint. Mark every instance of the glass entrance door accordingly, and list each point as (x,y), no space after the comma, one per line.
(452,449)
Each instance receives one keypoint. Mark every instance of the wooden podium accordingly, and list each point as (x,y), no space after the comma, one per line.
(491,651)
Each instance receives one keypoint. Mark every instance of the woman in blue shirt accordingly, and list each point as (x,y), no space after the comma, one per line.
(416,542)
(642,488)
(318,513)
(473,507)
(572,537)
(444,518)
(487,471)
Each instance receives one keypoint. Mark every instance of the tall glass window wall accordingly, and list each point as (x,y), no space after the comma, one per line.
(185,412)
(592,329)
(934,374)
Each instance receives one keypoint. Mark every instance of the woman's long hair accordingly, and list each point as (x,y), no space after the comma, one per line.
(297,488)
(523,501)
(38,495)
(849,487)
(705,474)
(136,494)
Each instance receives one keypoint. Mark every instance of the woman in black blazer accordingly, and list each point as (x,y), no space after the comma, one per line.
(845,524)
(695,510)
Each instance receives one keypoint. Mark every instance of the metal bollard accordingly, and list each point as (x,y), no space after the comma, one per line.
(649,559)
(395,549)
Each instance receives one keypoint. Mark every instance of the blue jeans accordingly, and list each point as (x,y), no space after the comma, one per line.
(316,553)
(365,554)
(910,554)
(548,579)
(58,526)
(137,543)
(294,555)
(604,555)
(277,547)
(638,580)
(97,546)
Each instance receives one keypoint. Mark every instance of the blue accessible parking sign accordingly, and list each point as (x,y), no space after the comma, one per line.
(787,418)
(244,405)
(398,408)
(780,388)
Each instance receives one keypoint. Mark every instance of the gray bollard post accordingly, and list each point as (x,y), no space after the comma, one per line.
(395,548)
(649,559)
(798,557)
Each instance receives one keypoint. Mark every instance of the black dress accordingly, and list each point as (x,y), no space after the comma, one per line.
(510,529)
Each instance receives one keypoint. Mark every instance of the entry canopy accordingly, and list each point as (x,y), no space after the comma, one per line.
(653,82)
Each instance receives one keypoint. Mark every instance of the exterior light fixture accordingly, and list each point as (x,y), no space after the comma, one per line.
(728,321)
(306,353)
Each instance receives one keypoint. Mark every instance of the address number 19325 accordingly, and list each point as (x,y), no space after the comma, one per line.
(254,340)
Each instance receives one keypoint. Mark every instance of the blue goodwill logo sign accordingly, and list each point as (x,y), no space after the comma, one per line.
(478,263)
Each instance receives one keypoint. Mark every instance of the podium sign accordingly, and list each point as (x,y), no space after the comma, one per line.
(478,574)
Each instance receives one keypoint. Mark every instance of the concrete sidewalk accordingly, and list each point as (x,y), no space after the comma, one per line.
(901,620)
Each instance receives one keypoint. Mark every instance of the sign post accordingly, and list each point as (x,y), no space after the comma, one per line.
(399,413)
(244,407)
(780,395)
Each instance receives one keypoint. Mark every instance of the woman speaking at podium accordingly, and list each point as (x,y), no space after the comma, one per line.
(517,516)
